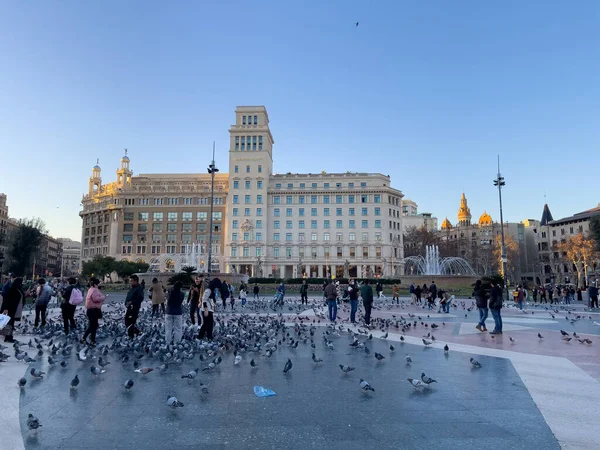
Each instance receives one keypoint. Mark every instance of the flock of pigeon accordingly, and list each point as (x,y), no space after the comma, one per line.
(243,336)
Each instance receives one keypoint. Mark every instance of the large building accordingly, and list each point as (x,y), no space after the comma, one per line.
(265,224)
(71,257)
(412,218)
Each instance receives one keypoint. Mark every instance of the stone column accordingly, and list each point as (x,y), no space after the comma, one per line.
(320,271)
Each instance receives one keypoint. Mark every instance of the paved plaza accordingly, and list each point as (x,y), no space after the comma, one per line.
(529,393)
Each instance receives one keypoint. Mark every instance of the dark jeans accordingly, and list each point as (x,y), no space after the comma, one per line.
(68,314)
(594,302)
(332,308)
(155,309)
(130,321)
(395,297)
(497,319)
(304,298)
(207,327)
(368,307)
(93,315)
(353,309)
(40,310)
(483,313)
(194,312)
(256,295)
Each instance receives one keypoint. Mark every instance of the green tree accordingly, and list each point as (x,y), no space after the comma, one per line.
(189,269)
(24,243)
(595,231)
(99,267)
(126,268)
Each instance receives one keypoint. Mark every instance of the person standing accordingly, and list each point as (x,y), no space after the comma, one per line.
(411,291)
(593,296)
(12,305)
(535,294)
(304,293)
(543,295)
(256,291)
(379,289)
(495,307)
(133,302)
(366,292)
(396,293)
(418,291)
(208,308)
(482,304)
(224,290)
(353,294)
(157,294)
(280,294)
(68,309)
(520,297)
(93,303)
(44,294)
(433,290)
(174,314)
(331,297)
(194,296)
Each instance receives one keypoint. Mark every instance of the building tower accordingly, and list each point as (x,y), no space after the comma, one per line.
(124,174)
(464,212)
(95,180)
(250,166)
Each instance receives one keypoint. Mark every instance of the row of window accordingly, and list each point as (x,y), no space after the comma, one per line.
(94,240)
(248,143)
(252,120)
(159,228)
(247,184)
(314,252)
(236,169)
(93,230)
(171,201)
(183,238)
(363,184)
(289,212)
(314,224)
(171,216)
(247,236)
(96,218)
(302,199)
(236,199)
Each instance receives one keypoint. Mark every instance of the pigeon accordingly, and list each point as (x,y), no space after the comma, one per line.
(211,366)
(316,359)
(64,364)
(75,382)
(540,336)
(446,348)
(253,364)
(346,369)
(33,422)
(425,379)
(128,385)
(567,339)
(392,348)
(288,366)
(426,342)
(82,355)
(512,340)
(384,336)
(172,402)
(22,382)
(408,359)
(37,374)
(367,351)
(191,375)
(144,370)
(356,24)
(402,338)
(365,386)
(204,388)
(475,363)
(237,360)
(96,370)
(379,356)
(564,333)
(417,384)
(103,362)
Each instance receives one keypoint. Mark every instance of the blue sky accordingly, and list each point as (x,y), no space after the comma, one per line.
(427,92)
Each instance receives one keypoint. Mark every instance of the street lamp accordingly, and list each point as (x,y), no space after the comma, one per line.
(212,169)
(499,182)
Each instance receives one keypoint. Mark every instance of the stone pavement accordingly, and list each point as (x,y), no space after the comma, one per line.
(533,393)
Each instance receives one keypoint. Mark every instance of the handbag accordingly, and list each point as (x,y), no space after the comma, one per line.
(4,320)
(6,331)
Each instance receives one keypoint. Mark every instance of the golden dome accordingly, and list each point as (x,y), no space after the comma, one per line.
(464,212)
(485,219)
(446,225)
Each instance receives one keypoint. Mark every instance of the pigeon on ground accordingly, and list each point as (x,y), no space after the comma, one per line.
(417,384)
(512,340)
(564,333)
(316,359)
(237,360)
(172,402)
(191,375)
(203,388)
(37,374)
(162,367)
(446,348)
(22,382)
(144,370)
(392,348)
(540,336)
(408,359)
(365,386)
(211,366)
(103,362)
(425,379)
(253,364)
(128,385)
(475,363)
(402,338)
(367,351)
(288,366)
(426,342)
(33,422)
(346,369)
(75,382)
(384,336)
(96,370)
(64,363)
(379,356)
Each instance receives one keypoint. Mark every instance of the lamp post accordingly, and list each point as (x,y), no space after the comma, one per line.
(499,182)
(212,169)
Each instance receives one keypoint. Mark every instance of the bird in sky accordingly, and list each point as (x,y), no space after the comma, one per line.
(356,24)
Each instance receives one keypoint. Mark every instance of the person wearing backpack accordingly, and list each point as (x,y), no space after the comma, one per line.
(72,296)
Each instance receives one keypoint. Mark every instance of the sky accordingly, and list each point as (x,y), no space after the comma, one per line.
(429,93)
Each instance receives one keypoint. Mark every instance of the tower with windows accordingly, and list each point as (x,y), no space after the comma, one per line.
(95,181)
(124,174)
(250,165)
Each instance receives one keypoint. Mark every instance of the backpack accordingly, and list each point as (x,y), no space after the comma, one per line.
(76,297)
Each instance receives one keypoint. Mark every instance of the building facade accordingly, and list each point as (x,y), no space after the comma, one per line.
(265,224)
(71,257)
(412,218)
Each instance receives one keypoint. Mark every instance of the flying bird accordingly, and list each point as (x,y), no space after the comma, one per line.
(356,24)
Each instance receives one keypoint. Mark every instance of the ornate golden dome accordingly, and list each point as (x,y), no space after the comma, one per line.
(485,219)
(446,225)
(464,212)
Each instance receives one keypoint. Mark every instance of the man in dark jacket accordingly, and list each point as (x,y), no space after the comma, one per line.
(68,310)
(256,291)
(353,294)
(495,307)
(12,304)
(433,290)
(482,304)
(194,296)
(133,301)
(331,297)
(366,292)
(304,292)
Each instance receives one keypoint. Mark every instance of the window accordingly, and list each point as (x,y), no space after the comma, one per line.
(352,237)
(260,143)
(338,199)
(258,251)
(236,199)
(234,224)
(276,200)
(339,237)
(338,211)
(259,236)
(276,225)
(217,216)
(157,227)
(313,236)
(186,238)
(288,224)
(351,211)
(235,212)
(365,236)
(365,224)
(142,227)
(275,236)
(128,216)
(338,224)
(288,237)
(365,211)
(365,252)
(234,251)
(378,211)
(276,252)
(143,202)
(377,224)
(253,142)
(255,120)
(338,185)
(326,199)
(339,252)
(246,236)
(201,215)
(247,184)
(246,251)
(352,252)
(247,199)
(326,254)
(236,169)
(203,200)
(188,201)
(313,199)
(301,237)
(352,223)
(350,185)
(260,167)
(143,216)
(157,217)
(326,211)
(325,185)
(313,224)
(288,200)
(301,212)
(171,227)
(259,211)
(302,185)
(259,184)
(243,120)
(326,224)
(186,216)
(276,212)
(378,252)
(364,198)
(363,184)
(313,212)
(156,238)
(236,184)
(127,238)
(301,224)
(234,237)
(377,198)
(159,201)
(247,169)
(325,236)
(237,144)
(172,216)
(173,201)
(127,227)
(288,212)
(378,237)
(277,185)
(246,212)
(259,224)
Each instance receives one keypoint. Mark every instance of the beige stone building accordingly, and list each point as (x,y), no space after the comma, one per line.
(411,217)
(71,257)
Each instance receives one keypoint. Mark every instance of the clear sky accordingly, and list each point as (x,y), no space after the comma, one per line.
(428,92)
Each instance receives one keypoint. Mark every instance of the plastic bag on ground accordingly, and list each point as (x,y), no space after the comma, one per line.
(260,391)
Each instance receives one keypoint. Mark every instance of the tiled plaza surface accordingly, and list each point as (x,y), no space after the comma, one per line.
(533,393)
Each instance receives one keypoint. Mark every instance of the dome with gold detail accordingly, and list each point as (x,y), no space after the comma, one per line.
(464,212)
(485,219)
(446,225)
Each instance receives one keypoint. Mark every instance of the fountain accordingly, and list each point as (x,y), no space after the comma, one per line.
(432,264)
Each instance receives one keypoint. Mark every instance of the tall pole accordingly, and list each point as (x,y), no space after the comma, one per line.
(499,182)
(211,170)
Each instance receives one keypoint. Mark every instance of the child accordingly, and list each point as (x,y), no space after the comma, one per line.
(243,297)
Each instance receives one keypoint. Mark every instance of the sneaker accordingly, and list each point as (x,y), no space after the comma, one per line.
(478,327)
(495,332)
(484,329)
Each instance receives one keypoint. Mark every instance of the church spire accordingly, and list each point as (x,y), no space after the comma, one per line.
(546,215)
